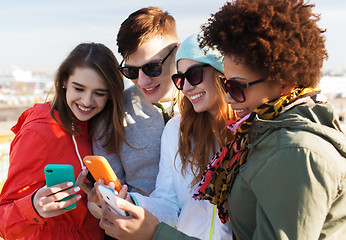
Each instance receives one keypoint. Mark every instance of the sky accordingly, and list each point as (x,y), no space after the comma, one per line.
(36,35)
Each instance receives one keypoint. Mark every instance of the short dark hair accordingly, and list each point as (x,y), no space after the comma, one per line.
(142,25)
(278,38)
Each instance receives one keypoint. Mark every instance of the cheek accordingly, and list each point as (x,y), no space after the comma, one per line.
(255,97)
(208,84)
(101,102)
(69,96)
(135,82)
(168,69)
(228,99)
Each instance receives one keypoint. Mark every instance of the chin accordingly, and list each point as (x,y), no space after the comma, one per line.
(199,110)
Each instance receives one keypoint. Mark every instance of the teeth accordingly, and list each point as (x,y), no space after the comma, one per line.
(150,89)
(84,109)
(240,110)
(197,96)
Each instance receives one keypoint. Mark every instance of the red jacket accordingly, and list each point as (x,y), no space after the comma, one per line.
(40,141)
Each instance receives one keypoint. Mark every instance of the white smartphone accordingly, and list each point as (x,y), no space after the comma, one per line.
(109,195)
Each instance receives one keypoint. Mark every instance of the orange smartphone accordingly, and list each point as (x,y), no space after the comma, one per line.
(100,168)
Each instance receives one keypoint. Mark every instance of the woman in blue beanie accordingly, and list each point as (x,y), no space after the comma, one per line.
(188,142)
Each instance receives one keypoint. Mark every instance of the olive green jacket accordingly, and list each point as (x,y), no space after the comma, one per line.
(293,184)
(294,181)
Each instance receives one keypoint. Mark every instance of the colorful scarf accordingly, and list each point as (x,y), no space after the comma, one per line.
(219,176)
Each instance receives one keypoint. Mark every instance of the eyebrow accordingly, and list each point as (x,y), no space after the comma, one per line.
(81,85)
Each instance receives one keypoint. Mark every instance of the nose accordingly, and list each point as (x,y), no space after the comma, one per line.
(143,80)
(87,99)
(187,86)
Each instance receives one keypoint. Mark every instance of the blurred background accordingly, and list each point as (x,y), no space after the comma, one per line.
(36,35)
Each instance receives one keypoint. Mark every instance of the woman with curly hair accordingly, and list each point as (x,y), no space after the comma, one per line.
(284,174)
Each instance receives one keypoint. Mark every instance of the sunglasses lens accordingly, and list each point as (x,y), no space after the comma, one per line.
(194,75)
(152,69)
(130,72)
(235,90)
(178,80)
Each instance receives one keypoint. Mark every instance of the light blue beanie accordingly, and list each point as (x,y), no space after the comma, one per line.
(190,49)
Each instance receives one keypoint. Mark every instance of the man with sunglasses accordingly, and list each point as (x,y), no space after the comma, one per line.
(147,40)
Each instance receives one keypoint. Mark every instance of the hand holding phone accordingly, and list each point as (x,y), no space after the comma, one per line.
(60,173)
(100,168)
(110,195)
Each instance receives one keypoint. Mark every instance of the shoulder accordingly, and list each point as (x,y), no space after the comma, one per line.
(30,118)
(305,126)
(304,153)
(134,101)
(137,109)
(132,94)
(130,91)
(172,125)
(174,122)
(304,136)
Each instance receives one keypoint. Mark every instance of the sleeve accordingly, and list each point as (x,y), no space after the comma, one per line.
(163,201)
(28,155)
(112,158)
(294,194)
(165,232)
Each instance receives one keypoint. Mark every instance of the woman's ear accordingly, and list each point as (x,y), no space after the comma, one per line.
(287,88)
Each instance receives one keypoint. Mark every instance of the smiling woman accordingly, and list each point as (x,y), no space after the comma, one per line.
(283,176)
(88,87)
(86,93)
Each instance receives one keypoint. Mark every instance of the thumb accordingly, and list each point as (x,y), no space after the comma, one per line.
(128,207)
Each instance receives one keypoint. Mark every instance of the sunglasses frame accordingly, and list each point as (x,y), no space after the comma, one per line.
(158,64)
(183,76)
(240,86)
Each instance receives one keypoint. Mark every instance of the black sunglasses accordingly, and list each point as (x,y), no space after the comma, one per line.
(152,69)
(194,75)
(236,89)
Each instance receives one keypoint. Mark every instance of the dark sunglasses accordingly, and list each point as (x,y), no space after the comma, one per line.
(194,75)
(236,89)
(152,69)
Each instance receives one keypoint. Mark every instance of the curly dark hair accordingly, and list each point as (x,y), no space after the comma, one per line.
(278,38)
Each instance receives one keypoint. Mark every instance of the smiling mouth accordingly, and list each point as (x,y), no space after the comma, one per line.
(240,110)
(84,109)
(151,89)
(194,97)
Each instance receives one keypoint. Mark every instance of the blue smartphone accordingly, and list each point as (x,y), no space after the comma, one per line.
(60,173)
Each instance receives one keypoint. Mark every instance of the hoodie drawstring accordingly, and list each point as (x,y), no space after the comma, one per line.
(77,152)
